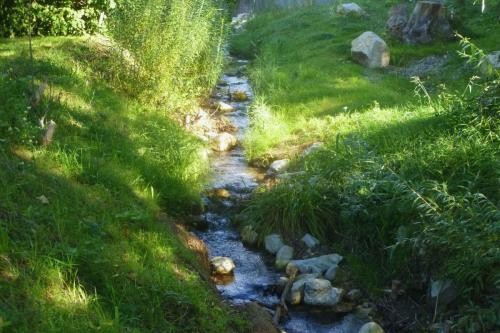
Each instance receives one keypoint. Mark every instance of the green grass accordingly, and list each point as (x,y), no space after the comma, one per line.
(303,75)
(96,257)
(401,178)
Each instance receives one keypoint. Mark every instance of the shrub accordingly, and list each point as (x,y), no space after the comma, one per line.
(174,48)
(51,17)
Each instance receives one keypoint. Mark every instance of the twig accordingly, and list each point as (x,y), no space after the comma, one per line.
(281,308)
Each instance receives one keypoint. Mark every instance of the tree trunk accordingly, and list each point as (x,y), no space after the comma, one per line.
(427,22)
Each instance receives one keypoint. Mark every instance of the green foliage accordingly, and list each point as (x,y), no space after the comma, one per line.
(173,49)
(51,17)
(407,183)
(92,254)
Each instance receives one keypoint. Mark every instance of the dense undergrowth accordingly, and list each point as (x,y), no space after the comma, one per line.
(81,246)
(406,185)
(172,50)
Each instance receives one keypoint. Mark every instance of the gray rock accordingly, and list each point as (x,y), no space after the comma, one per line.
(425,66)
(314,265)
(248,235)
(331,272)
(354,295)
(490,63)
(365,310)
(321,292)
(284,255)
(398,18)
(278,166)
(350,9)
(273,243)
(310,241)
(443,291)
(371,327)
(427,22)
(224,142)
(224,107)
(370,50)
(222,265)
(312,148)
(296,294)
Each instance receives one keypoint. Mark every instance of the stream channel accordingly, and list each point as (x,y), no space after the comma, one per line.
(254,274)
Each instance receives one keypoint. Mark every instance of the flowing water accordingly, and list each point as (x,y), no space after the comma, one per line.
(254,275)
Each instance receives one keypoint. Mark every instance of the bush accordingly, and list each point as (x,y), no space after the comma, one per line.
(51,17)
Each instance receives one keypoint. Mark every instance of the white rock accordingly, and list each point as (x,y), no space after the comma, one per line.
(331,272)
(222,265)
(248,235)
(310,241)
(314,265)
(284,255)
(224,107)
(321,292)
(371,327)
(224,142)
(350,9)
(370,50)
(278,166)
(273,243)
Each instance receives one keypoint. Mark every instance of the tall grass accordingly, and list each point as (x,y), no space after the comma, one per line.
(173,49)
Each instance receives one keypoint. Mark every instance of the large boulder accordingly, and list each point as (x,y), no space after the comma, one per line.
(427,22)
(283,257)
(321,292)
(273,243)
(371,327)
(314,265)
(398,18)
(222,265)
(350,9)
(370,50)
(224,142)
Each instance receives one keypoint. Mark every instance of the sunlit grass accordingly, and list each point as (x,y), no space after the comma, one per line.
(399,178)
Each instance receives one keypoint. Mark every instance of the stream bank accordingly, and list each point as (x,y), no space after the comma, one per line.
(254,280)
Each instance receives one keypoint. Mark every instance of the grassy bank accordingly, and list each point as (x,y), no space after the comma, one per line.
(402,176)
(81,246)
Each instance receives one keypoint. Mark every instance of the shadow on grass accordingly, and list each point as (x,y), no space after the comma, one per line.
(92,256)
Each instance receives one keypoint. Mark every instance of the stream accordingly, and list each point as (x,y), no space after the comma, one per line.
(254,275)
